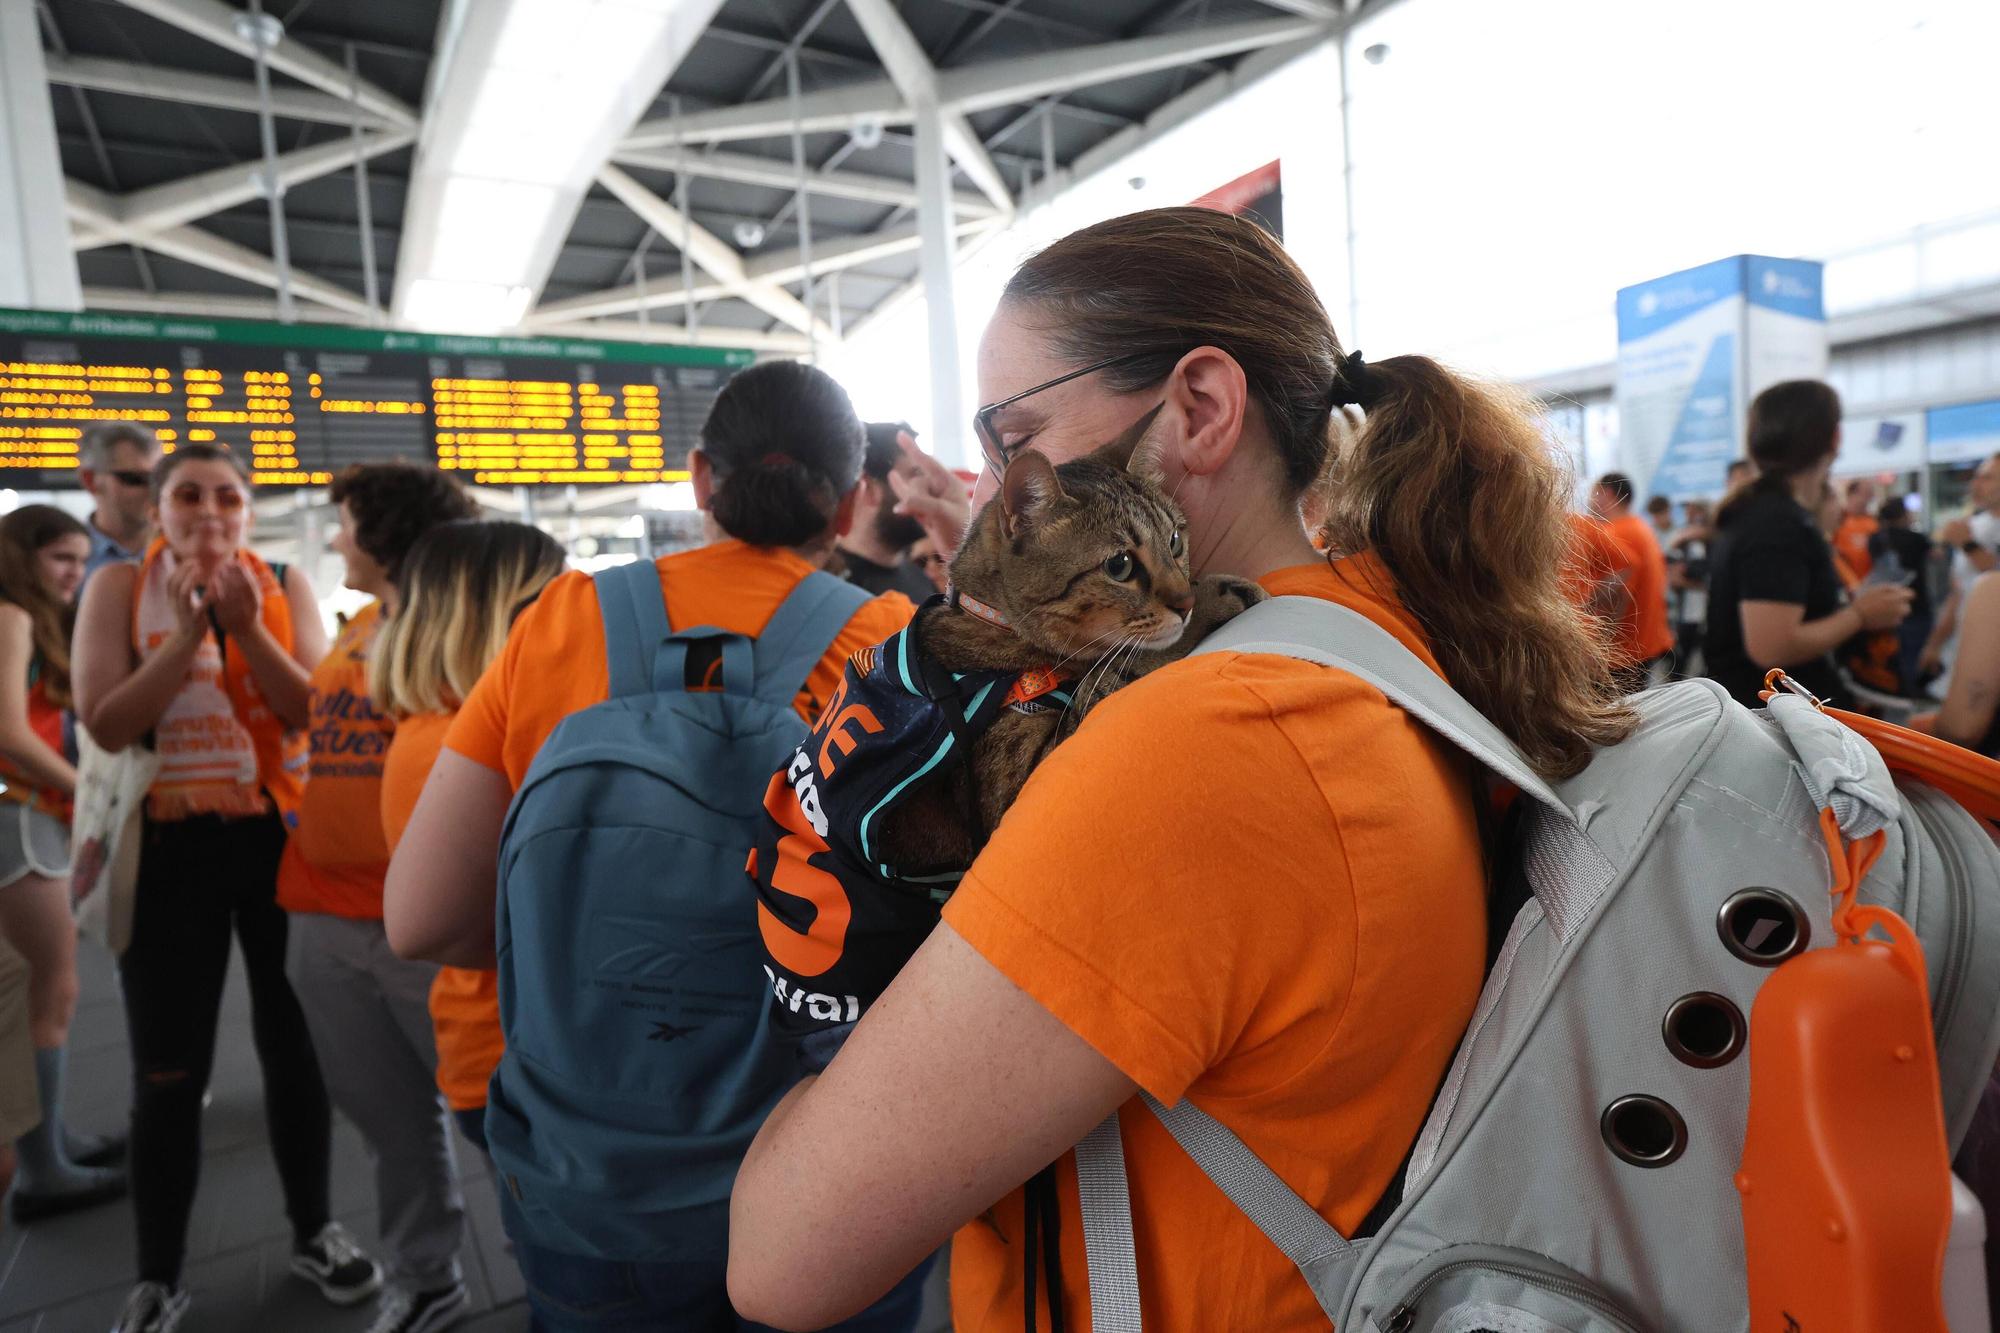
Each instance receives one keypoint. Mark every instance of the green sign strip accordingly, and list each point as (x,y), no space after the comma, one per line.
(342,338)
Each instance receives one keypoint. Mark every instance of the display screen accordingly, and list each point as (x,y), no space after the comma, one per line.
(301,401)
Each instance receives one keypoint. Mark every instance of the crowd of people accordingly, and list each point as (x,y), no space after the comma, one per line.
(1831,581)
(341,811)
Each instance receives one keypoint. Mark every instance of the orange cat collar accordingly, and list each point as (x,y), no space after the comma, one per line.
(974,607)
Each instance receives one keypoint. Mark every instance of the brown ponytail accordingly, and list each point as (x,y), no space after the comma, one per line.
(1452,485)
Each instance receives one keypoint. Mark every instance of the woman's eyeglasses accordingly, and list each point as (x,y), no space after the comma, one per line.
(998,455)
(189,496)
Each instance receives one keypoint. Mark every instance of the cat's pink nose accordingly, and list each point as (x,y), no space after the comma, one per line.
(1180,601)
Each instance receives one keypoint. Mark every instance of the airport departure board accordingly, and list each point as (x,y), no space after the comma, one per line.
(301,401)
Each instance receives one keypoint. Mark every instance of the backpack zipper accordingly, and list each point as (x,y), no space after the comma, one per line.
(1403,1315)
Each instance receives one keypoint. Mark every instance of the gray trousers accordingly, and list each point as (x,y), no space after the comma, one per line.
(369,1012)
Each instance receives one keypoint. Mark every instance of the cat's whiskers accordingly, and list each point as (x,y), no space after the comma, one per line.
(1078,652)
(1100,670)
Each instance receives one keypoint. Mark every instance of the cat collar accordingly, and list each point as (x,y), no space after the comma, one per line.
(959,601)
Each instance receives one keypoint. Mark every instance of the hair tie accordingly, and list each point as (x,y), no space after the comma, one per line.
(1354,383)
(778,459)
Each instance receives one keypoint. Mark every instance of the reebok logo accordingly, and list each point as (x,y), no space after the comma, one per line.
(668,1032)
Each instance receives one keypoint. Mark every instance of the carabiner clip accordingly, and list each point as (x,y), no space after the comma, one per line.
(1775,679)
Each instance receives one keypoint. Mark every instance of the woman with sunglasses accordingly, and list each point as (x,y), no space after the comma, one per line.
(204,652)
(43,552)
(1246,881)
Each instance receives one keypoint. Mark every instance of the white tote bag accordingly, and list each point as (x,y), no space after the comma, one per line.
(104,837)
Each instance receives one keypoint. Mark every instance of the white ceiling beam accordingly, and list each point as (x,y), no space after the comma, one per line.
(917,79)
(782,267)
(747,170)
(1307,9)
(1022,79)
(837,109)
(631,330)
(197,196)
(191,245)
(973,87)
(203,305)
(713,255)
(96,212)
(186,86)
(219,23)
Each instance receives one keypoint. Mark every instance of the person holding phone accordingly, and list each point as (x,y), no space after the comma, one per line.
(204,652)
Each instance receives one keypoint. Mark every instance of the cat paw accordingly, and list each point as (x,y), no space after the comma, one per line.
(1219,599)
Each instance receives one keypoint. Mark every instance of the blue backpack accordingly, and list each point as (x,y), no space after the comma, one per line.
(640,1060)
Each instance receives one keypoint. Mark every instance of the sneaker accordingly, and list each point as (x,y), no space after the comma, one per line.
(332,1262)
(153,1307)
(403,1311)
(94,1185)
(94,1149)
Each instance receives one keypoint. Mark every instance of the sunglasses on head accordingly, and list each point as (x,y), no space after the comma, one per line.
(189,495)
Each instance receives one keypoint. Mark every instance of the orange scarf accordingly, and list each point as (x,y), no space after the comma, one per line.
(222,750)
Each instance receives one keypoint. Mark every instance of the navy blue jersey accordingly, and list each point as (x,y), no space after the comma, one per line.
(838,918)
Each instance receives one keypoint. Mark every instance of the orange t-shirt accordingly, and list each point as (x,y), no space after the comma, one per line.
(1594,557)
(465,1001)
(336,858)
(1302,970)
(1643,633)
(1850,540)
(554,663)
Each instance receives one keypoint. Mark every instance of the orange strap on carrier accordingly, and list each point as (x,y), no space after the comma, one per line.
(1845,1181)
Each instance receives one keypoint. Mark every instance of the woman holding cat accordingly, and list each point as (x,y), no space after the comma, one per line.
(1246,880)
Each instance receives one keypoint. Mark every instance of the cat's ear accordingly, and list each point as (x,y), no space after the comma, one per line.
(1029,486)
(1132,452)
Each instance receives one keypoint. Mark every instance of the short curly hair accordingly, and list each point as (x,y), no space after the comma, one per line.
(395,503)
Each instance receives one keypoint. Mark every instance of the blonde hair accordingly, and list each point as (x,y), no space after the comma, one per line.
(462,585)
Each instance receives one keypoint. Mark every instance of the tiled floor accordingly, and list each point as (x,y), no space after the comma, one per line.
(71,1274)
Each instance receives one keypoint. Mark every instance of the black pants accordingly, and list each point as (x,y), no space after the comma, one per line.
(200,880)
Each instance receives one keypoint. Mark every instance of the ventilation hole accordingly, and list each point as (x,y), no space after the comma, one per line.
(1703,1029)
(1644,1131)
(1762,927)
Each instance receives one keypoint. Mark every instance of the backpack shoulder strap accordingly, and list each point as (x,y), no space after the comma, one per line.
(1316,630)
(800,631)
(633,606)
(1324,1256)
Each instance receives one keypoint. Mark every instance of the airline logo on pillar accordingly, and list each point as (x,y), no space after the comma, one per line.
(1694,348)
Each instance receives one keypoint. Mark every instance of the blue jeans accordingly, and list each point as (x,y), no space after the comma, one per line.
(573,1293)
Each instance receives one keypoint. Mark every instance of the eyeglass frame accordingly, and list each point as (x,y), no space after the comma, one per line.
(995,454)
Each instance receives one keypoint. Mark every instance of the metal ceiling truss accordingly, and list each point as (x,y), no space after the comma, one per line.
(685,146)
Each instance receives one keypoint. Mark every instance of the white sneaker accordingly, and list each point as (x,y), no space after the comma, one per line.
(153,1307)
(332,1262)
(403,1311)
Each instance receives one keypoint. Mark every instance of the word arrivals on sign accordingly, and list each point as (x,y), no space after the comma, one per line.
(300,402)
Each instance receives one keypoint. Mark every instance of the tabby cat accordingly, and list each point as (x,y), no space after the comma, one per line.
(1072,583)
(1080,567)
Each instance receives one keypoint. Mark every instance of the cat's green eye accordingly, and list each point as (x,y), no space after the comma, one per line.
(1174,544)
(1121,566)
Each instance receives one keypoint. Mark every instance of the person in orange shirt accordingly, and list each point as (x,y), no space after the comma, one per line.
(43,556)
(1246,880)
(204,653)
(1856,525)
(1644,636)
(776,477)
(463,586)
(367,1007)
